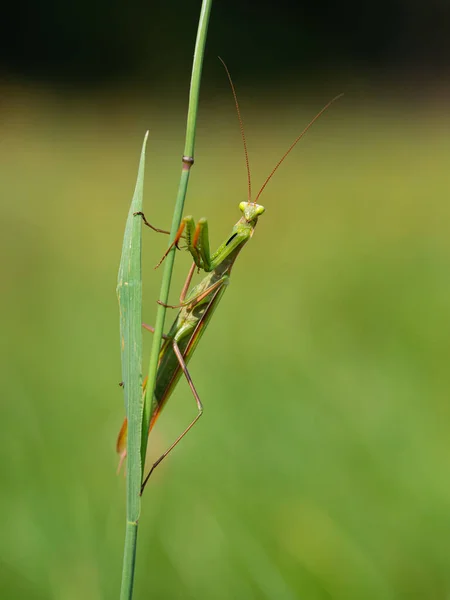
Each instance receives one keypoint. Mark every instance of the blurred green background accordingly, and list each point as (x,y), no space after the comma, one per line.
(320,467)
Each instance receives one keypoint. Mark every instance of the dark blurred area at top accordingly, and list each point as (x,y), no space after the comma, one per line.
(92,44)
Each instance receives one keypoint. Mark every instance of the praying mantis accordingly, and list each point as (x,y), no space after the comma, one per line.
(198,305)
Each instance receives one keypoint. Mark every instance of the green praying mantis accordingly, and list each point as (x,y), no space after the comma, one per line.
(198,305)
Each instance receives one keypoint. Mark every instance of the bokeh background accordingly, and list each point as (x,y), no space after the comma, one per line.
(320,469)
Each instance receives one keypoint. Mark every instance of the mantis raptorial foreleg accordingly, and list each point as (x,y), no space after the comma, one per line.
(196,236)
(197,243)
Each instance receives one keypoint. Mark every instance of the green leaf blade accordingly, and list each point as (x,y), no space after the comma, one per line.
(129,293)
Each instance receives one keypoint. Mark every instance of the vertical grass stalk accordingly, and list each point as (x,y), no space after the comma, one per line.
(187,162)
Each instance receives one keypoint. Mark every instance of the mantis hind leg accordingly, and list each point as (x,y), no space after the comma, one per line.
(200,297)
(183,366)
(152,330)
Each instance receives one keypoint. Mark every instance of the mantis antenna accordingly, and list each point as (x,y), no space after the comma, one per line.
(291,147)
(294,143)
(241,125)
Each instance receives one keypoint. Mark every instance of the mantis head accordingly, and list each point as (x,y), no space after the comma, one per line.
(251,210)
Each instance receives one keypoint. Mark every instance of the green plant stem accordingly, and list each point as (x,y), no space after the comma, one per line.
(188,159)
(129,560)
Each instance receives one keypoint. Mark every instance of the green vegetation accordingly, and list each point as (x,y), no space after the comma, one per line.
(320,467)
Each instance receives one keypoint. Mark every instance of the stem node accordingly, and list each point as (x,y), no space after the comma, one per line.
(187,161)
